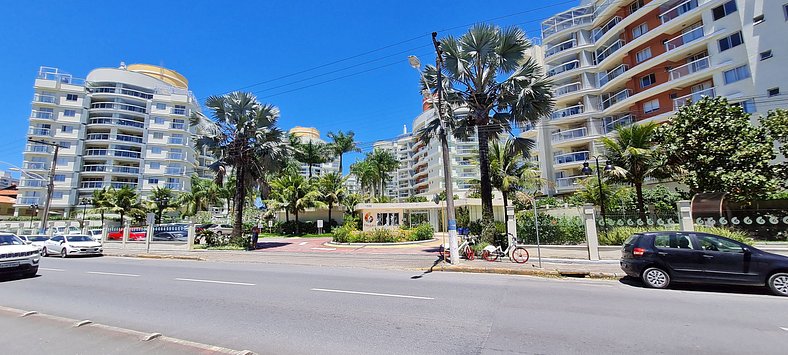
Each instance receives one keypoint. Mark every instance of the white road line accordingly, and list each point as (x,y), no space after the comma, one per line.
(216,282)
(303,243)
(48,269)
(785,329)
(111,274)
(372,294)
(329,249)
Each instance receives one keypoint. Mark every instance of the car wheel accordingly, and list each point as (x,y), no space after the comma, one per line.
(656,278)
(44,251)
(778,283)
(63,252)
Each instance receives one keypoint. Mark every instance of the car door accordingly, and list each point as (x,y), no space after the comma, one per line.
(726,260)
(680,253)
(55,244)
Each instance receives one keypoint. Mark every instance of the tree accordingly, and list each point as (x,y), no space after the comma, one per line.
(717,149)
(161,199)
(350,202)
(342,143)
(383,162)
(310,153)
(243,136)
(366,174)
(631,152)
(301,193)
(203,194)
(776,123)
(474,64)
(506,166)
(102,201)
(124,202)
(332,190)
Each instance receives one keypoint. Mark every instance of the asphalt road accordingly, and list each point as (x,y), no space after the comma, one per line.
(296,309)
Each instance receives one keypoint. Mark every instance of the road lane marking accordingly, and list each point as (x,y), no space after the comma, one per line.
(372,294)
(111,274)
(216,282)
(329,249)
(48,269)
(303,243)
(785,329)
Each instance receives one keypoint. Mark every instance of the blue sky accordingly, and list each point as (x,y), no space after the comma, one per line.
(221,48)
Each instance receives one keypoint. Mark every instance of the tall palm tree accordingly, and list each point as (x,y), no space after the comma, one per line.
(310,153)
(631,152)
(506,167)
(367,175)
(384,163)
(301,193)
(474,64)
(102,201)
(124,202)
(342,143)
(350,202)
(161,199)
(243,136)
(203,194)
(332,188)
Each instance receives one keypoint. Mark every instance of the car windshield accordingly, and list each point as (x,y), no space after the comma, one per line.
(37,238)
(79,238)
(10,240)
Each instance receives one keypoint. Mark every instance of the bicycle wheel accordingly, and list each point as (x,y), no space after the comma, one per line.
(520,255)
(469,253)
(487,255)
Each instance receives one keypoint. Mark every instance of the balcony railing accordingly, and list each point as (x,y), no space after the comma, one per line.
(91,185)
(680,9)
(96,152)
(172,186)
(684,38)
(568,88)
(567,112)
(612,48)
(117,121)
(34,183)
(136,94)
(38,149)
(612,122)
(127,154)
(41,114)
(570,181)
(94,168)
(571,157)
(48,73)
(98,136)
(614,98)
(689,68)
(175,140)
(175,156)
(178,126)
(598,32)
(566,20)
(564,67)
(605,77)
(127,138)
(40,131)
(569,134)
(693,97)
(30,201)
(178,111)
(174,171)
(560,47)
(118,106)
(48,99)
(35,166)
(125,169)
(120,185)
(107,90)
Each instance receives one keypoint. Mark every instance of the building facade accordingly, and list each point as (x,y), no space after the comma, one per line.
(619,62)
(126,126)
(6,180)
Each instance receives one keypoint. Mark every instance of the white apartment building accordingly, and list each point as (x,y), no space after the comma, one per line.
(126,126)
(615,62)
(311,134)
(421,169)
(6,180)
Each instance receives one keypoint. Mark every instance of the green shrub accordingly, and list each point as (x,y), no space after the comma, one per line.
(348,234)
(422,232)
(552,230)
(342,234)
(475,227)
(618,235)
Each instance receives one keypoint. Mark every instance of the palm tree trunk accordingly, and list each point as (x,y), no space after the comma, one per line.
(328,228)
(287,215)
(310,171)
(102,219)
(505,204)
(484,172)
(297,231)
(340,164)
(641,201)
(240,195)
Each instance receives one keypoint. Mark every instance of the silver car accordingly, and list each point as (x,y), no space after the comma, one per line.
(36,240)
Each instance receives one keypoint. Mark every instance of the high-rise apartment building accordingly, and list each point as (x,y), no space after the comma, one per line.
(6,180)
(311,134)
(126,126)
(615,62)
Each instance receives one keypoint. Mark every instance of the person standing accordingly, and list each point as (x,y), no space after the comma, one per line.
(255,235)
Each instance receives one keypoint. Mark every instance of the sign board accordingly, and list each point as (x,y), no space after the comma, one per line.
(270,224)
(150,218)
(319,223)
(369,220)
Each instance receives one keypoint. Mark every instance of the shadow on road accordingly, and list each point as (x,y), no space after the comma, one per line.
(270,245)
(434,264)
(748,290)
(17,277)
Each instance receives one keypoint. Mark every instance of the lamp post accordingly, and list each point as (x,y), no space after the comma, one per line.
(84,202)
(33,213)
(451,220)
(161,204)
(588,171)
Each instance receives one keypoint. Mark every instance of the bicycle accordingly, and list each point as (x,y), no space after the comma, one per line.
(516,252)
(465,249)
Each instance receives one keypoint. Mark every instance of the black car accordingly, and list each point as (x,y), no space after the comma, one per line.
(659,258)
(172,236)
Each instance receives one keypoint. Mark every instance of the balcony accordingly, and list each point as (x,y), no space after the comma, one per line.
(610,100)
(125,169)
(570,158)
(606,77)
(98,136)
(96,152)
(127,154)
(178,126)
(118,106)
(48,73)
(612,122)
(560,47)
(94,168)
(175,140)
(689,68)
(102,90)
(564,67)
(175,156)
(567,112)
(172,186)
(612,48)
(117,121)
(40,132)
(136,94)
(91,185)
(567,182)
(38,149)
(127,138)
(178,111)
(120,185)
(568,19)
(694,97)
(684,38)
(680,9)
(568,88)
(41,114)
(30,201)
(571,134)
(35,166)
(175,171)
(34,183)
(46,99)
(598,32)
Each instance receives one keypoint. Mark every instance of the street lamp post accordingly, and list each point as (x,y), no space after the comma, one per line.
(51,185)
(33,213)
(588,171)
(84,202)
(450,213)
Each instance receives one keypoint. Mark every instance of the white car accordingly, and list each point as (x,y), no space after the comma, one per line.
(16,256)
(96,234)
(72,244)
(221,229)
(37,240)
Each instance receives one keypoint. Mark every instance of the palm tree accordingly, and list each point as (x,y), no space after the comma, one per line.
(161,199)
(300,194)
(310,153)
(102,201)
(203,194)
(474,63)
(383,162)
(506,167)
(244,137)
(342,143)
(367,175)
(124,202)
(350,202)
(332,188)
(631,152)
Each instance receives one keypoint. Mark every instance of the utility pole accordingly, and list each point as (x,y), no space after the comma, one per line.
(51,185)
(450,214)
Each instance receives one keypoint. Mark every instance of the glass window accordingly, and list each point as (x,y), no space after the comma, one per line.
(757,19)
(635,6)
(158,120)
(730,41)
(643,55)
(62,161)
(161,106)
(72,97)
(723,10)
(651,106)
(713,243)
(60,177)
(158,135)
(153,181)
(648,80)
(736,74)
(773,92)
(64,145)
(69,113)
(675,241)
(155,150)
(57,195)
(155,165)
(766,54)
(639,30)
(67,129)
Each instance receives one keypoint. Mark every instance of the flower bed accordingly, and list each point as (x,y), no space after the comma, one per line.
(348,234)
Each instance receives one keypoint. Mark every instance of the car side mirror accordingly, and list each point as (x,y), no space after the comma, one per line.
(747,250)
(62,242)
(28,242)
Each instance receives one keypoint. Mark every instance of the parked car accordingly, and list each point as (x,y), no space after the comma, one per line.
(219,228)
(37,240)
(17,257)
(96,234)
(661,258)
(176,236)
(133,235)
(72,244)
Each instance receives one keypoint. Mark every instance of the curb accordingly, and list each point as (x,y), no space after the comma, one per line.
(156,256)
(140,336)
(532,272)
(381,244)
